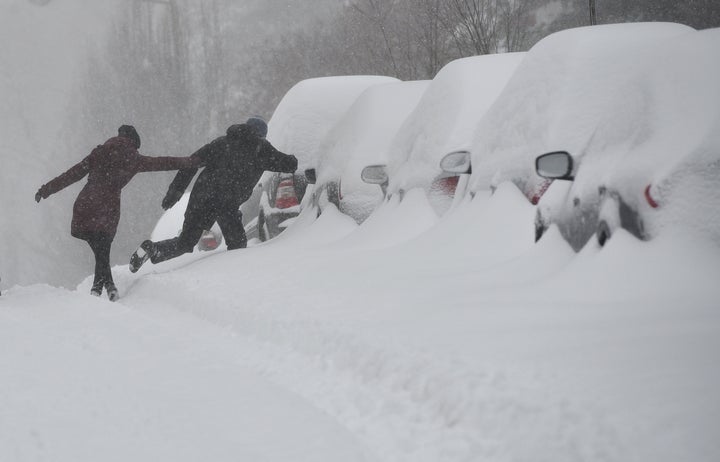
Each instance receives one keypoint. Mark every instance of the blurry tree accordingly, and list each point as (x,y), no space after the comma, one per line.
(490,26)
(696,13)
(429,46)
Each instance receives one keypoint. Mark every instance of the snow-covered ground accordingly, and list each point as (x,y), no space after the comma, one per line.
(466,342)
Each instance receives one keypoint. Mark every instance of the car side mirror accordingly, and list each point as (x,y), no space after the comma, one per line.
(376,174)
(556,165)
(311,175)
(456,162)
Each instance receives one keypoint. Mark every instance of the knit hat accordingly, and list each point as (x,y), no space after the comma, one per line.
(259,125)
(128,131)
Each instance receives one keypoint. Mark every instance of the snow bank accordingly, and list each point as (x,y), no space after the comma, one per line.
(465,340)
(117,384)
(457,339)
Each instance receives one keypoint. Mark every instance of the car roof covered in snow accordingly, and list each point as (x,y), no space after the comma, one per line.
(447,115)
(583,90)
(362,137)
(310,109)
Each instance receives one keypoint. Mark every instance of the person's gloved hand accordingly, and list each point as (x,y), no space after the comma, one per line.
(171,198)
(41,194)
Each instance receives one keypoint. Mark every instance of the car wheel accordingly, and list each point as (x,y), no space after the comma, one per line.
(262,227)
(539,231)
(540,227)
(608,219)
(603,233)
(333,193)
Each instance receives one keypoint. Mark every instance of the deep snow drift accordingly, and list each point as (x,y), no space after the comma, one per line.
(467,342)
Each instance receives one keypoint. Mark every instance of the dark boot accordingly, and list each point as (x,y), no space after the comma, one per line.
(97,288)
(112,291)
(141,255)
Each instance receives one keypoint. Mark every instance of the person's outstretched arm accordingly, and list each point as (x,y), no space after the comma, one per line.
(76,173)
(184,177)
(159,164)
(276,161)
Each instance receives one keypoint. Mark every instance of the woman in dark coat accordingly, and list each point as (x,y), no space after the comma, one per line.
(96,212)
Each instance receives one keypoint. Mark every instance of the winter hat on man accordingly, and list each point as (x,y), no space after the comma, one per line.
(128,131)
(238,131)
(259,125)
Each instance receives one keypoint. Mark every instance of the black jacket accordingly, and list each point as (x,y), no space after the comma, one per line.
(232,168)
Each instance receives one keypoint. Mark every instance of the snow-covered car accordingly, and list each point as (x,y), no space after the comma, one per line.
(362,137)
(444,120)
(577,91)
(653,161)
(171,222)
(281,194)
(298,126)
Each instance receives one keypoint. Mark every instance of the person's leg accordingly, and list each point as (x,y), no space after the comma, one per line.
(105,245)
(161,251)
(192,229)
(100,244)
(98,280)
(232,228)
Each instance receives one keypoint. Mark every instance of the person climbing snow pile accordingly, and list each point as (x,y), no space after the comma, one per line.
(233,164)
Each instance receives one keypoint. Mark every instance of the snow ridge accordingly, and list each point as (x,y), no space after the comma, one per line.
(407,405)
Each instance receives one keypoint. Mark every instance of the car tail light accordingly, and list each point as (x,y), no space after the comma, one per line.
(446,185)
(209,241)
(539,191)
(286,196)
(650,200)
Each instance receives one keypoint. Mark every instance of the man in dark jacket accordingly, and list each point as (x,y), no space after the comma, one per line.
(233,165)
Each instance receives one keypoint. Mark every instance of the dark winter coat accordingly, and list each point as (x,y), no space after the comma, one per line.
(109,168)
(233,166)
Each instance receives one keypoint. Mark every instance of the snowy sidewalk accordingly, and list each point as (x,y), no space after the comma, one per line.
(83,379)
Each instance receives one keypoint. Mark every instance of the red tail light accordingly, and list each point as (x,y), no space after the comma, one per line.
(650,200)
(286,197)
(539,191)
(446,185)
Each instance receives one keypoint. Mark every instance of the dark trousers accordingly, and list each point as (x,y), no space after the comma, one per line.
(100,244)
(195,223)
